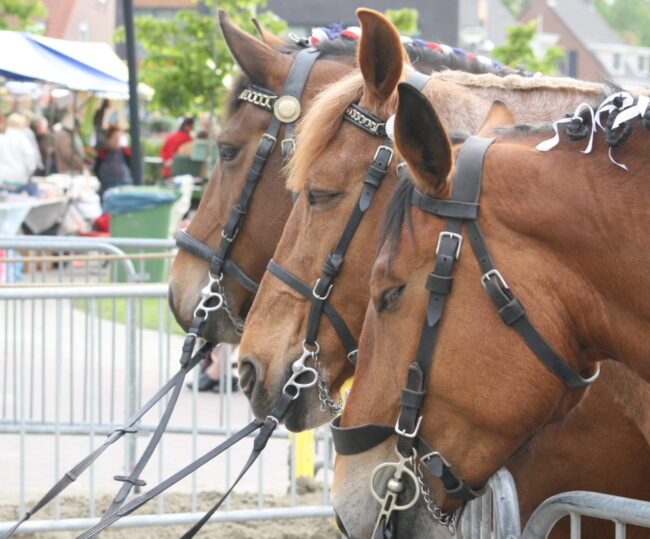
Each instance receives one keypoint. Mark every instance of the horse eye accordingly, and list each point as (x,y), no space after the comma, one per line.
(316,197)
(227,153)
(390,298)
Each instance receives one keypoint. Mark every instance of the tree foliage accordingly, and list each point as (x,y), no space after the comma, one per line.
(21,14)
(517,50)
(405,19)
(187,60)
(515,6)
(630,19)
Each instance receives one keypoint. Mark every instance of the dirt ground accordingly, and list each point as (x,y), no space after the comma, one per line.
(312,528)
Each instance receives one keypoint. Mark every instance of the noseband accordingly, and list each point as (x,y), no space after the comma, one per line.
(286,110)
(414,454)
(318,294)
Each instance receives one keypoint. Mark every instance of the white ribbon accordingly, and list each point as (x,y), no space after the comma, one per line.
(608,105)
(390,128)
(548,144)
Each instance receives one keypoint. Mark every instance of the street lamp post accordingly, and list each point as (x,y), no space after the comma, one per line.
(134,118)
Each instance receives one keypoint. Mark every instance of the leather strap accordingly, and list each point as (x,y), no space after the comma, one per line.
(218,258)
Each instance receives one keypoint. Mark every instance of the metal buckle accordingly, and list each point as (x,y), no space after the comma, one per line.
(390,151)
(288,142)
(322,298)
(228,238)
(429,456)
(352,356)
(408,434)
(271,138)
(493,272)
(452,235)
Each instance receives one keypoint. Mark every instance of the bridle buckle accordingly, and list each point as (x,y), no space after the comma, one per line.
(326,295)
(494,273)
(390,153)
(452,235)
(269,137)
(230,238)
(403,432)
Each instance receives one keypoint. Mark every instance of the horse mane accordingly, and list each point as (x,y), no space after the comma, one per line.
(398,211)
(425,56)
(319,126)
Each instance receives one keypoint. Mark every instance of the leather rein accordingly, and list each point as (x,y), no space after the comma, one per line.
(414,454)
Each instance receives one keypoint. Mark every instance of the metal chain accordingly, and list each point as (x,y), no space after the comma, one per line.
(446,519)
(326,401)
(214,291)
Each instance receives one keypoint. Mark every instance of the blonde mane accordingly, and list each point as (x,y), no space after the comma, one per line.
(322,121)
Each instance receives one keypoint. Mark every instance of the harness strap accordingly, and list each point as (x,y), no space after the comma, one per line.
(293,87)
(129,428)
(199,249)
(259,444)
(334,317)
(361,438)
(134,504)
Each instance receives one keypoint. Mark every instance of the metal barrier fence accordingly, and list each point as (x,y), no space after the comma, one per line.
(621,511)
(78,355)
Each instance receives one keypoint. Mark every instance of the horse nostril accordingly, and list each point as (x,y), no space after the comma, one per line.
(339,524)
(247,377)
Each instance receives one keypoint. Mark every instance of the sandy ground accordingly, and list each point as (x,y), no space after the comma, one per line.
(75,506)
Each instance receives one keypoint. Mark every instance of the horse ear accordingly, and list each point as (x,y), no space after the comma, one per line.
(381,54)
(499,115)
(421,139)
(258,60)
(267,37)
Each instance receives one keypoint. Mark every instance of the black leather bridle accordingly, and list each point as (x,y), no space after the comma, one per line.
(318,294)
(219,258)
(413,451)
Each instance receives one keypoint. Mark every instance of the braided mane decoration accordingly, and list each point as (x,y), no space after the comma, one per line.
(621,108)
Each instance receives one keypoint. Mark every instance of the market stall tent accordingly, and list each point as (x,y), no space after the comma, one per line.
(65,63)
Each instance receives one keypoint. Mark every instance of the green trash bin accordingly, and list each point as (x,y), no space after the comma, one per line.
(141,211)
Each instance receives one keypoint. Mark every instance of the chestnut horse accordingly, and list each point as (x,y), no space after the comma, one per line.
(551,221)
(327,170)
(265,63)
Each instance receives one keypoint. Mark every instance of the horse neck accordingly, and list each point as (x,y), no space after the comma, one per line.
(462,100)
(585,221)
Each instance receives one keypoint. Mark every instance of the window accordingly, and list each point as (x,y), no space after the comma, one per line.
(572,63)
(617,61)
(84,31)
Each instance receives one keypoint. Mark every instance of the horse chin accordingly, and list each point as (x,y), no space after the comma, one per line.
(358,510)
(219,328)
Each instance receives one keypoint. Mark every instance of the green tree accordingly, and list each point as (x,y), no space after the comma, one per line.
(517,51)
(515,6)
(405,19)
(187,61)
(21,14)
(630,19)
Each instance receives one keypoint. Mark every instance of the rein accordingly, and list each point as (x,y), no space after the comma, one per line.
(318,294)
(286,110)
(414,454)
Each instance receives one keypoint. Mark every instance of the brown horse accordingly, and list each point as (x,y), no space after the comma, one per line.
(265,63)
(328,170)
(551,221)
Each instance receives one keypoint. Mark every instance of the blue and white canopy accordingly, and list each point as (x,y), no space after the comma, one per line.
(71,64)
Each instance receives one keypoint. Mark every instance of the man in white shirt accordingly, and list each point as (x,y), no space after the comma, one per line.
(18,158)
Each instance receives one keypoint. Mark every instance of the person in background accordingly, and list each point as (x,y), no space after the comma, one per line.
(113,164)
(99,121)
(211,377)
(45,141)
(18,158)
(69,147)
(31,136)
(175,141)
